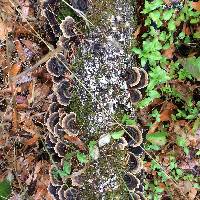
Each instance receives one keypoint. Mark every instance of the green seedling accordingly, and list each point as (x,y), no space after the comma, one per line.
(158,138)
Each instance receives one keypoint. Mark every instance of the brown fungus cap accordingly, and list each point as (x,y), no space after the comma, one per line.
(134,163)
(135,95)
(58,131)
(54,107)
(132,76)
(56,66)
(143,80)
(53,191)
(131,181)
(68,27)
(61,149)
(133,136)
(69,124)
(63,92)
(52,121)
(71,194)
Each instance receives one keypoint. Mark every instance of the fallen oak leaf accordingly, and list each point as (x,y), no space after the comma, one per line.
(196,5)
(169,53)
(32,141)
(75,140)
(137,32)
(15,69)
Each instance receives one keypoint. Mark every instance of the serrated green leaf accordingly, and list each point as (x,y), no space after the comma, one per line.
(136,50)
(67,168)
(171,25)
(168,14)
(117,134)
(91,146)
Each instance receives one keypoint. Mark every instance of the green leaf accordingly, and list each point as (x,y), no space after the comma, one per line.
(198,153)
(158,138)
(5,189)
(192,65)
(171,25)
(92,145)
(196,35)
(126,120)
(167,14)
(136,50)
(82,158)
(67,168)
(117,134)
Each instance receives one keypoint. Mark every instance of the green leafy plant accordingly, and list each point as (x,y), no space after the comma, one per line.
(158,138)
(117,134)
(181,141)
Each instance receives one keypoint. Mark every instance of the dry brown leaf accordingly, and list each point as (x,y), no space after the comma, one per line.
(186,29)
(20,50)
(167,111)
(76,141)
(32,141)
(15,69)
(192,194)
(196,5)
(169,52)
(137,32)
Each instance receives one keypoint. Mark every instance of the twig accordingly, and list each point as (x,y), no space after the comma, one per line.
(41,61)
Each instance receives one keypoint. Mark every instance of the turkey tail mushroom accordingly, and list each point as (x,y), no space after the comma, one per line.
(131,181)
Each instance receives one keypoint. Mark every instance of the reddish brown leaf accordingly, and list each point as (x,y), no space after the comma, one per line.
(32,141)
(196,5)
(169,52)
(137,32)
(76,141)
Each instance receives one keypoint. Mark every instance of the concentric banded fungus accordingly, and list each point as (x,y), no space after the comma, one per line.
(71,194)
(134,163)
(133,136)
(122,143)
(63,93)
(54,107)
(61,149)
(63,42)
(55,179)
(58,131)
(141,195)
(49,144)
(143,80)
(132,76)
(56,66)
(131,181)
(135,95)
(81,5)
(52,121)
(67,26)
(69,124)
(53,191)
(57,79)
(134,196)
(77,178)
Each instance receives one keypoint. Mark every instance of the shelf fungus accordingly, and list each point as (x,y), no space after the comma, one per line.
(135,95)
(61,149)
(63,92)
(52,121)
(133,136)
(134,163)
(131,181)
(69,124)
(56,66)
(53,191)
(68,27)
(132,76)
(143,79)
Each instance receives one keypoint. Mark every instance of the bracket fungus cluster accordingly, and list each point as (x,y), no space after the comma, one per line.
(101,72)
(136,79)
